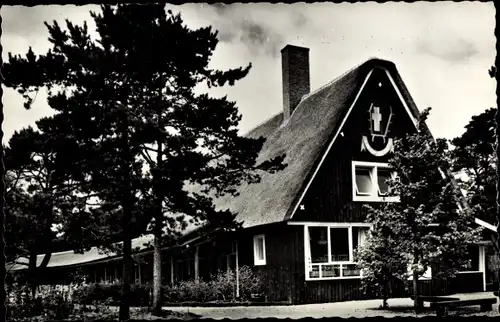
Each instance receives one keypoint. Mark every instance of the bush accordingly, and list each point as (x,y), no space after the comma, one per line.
(111,292)
(250,284)
(51,303)
(222,287)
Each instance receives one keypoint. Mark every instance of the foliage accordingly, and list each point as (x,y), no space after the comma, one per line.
(52,304)
(474,155)
(221,288)
(94,293)
(380,260)
(427,197)
(42,192)
(142,130)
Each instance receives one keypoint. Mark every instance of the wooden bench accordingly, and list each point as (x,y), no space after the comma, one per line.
(432,299)
(443,306)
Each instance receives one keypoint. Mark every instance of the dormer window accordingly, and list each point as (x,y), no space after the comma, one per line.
(370,181)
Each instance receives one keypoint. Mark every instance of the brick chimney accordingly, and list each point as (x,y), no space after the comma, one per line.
(295,70)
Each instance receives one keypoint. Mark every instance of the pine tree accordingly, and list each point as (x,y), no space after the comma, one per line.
(144,131)
(42,191)
(473,154)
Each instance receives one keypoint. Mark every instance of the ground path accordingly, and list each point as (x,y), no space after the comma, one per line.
(339,309)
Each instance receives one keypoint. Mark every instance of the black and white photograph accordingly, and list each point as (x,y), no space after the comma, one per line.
(241,161)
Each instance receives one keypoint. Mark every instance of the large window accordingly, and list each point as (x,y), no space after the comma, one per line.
(370,181)
(330,250)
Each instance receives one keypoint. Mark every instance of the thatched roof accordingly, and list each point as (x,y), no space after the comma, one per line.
(303,138)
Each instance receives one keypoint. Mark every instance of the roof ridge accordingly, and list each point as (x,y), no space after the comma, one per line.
(337,78)
(307,95)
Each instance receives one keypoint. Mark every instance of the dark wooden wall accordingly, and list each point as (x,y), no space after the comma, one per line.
(329,197)
(277,274)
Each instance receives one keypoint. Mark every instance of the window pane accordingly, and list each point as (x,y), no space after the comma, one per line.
(314,272)
(383,176)
(260,248)
(350,270)
(318,244)
(339,244)
(363,181)
(358,236)
(330,271)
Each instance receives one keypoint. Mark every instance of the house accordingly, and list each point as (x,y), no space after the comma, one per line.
(301,225)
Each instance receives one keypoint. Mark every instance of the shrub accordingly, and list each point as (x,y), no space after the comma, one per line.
(51,303)
(111,292)
(250,284)
(222,287)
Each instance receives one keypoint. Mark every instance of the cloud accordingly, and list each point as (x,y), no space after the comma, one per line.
(28,21)
(454,50)
(234,26)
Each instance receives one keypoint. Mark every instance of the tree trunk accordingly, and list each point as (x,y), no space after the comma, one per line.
(127,273)
(127,204)
(32,270)
(157,276)
(158,209)
(385,295)
(417,303)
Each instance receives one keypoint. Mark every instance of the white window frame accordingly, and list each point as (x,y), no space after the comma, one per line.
(257,261)
(307,250)
(374,195)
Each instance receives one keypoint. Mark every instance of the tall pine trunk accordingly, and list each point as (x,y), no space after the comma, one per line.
(157,276)
(157,231)
(127,269)
(127,204)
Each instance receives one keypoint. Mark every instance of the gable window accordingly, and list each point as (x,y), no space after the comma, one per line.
(259,250)
(329,250)
(370,181)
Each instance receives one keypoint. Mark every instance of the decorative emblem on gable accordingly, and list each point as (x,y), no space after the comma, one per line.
(380,120)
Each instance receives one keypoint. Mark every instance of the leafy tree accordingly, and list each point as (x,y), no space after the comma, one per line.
(143,131)
(428,227)
(379,257)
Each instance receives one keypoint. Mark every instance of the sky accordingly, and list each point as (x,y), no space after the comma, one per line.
(442,50)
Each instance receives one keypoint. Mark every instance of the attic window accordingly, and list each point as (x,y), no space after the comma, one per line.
(370,181)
